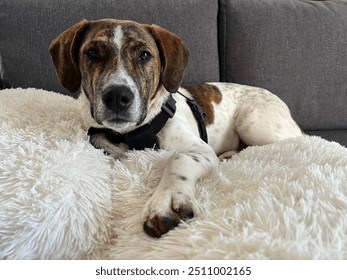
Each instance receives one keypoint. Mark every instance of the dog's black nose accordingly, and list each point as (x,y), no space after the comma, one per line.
(117,98)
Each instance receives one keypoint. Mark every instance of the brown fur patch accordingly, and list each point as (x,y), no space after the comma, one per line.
(205,95)
(173,56)
(147,75)
(64,51)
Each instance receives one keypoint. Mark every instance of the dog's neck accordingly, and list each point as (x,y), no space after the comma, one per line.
(154,108)
(144,136)
(155,105)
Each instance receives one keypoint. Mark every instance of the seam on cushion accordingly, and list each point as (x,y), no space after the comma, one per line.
(222,26)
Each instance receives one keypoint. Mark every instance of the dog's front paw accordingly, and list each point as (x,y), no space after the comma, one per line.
(162,215)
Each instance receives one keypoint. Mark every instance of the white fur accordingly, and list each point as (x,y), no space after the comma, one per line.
(118,36)
(253,114)
(61,198)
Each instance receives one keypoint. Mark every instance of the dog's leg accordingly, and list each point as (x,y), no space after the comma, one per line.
(265,120)
(172,199)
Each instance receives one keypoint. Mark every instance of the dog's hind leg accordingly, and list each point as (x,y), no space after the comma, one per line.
(262,123)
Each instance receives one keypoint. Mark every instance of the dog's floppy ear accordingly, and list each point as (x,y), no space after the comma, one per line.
(173,55)
(64,51)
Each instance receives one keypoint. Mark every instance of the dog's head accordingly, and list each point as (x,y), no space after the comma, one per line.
(121,67)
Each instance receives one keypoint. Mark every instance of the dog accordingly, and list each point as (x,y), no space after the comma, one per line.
(130,75)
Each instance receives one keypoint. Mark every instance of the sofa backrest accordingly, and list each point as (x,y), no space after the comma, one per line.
(27,28)
(295,48)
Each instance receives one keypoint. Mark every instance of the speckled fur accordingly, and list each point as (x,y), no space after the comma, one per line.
(253,115)
(235,112)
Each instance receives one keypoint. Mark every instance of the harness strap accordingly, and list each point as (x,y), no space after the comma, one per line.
(199,115)
(146,135)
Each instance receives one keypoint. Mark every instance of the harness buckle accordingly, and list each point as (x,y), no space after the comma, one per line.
(169,107)
(196,108)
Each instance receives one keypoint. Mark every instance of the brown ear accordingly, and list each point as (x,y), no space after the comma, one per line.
(173,55)
(64,51)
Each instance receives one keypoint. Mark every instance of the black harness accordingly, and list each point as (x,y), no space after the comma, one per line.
(146,135)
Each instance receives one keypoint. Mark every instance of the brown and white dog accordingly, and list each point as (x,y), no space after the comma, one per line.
(127,71)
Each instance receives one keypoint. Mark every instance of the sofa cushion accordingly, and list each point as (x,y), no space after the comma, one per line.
(339,136)
(27,28)
(296,49)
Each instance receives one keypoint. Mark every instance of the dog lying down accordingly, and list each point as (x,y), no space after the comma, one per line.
(130,76)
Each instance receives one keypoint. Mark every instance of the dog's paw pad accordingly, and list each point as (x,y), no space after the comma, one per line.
(181,205)
(158,225)
(185,213)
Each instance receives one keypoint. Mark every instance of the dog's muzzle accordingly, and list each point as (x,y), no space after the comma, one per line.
(117,98)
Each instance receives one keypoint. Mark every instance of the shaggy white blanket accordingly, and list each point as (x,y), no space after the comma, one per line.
(62,199)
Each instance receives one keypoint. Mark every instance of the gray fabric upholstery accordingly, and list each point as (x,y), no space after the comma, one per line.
(339,136)
(296,49)
(27,27)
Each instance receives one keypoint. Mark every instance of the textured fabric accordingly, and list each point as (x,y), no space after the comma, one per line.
(27,28)
(63,199)
(67,202)
(296,49)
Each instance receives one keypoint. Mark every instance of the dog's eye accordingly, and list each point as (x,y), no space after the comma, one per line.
(93,54)
(145,56)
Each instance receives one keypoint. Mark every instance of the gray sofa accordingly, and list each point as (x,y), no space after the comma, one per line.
(294,48)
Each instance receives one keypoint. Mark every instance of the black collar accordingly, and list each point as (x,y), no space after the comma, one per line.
(146,135)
